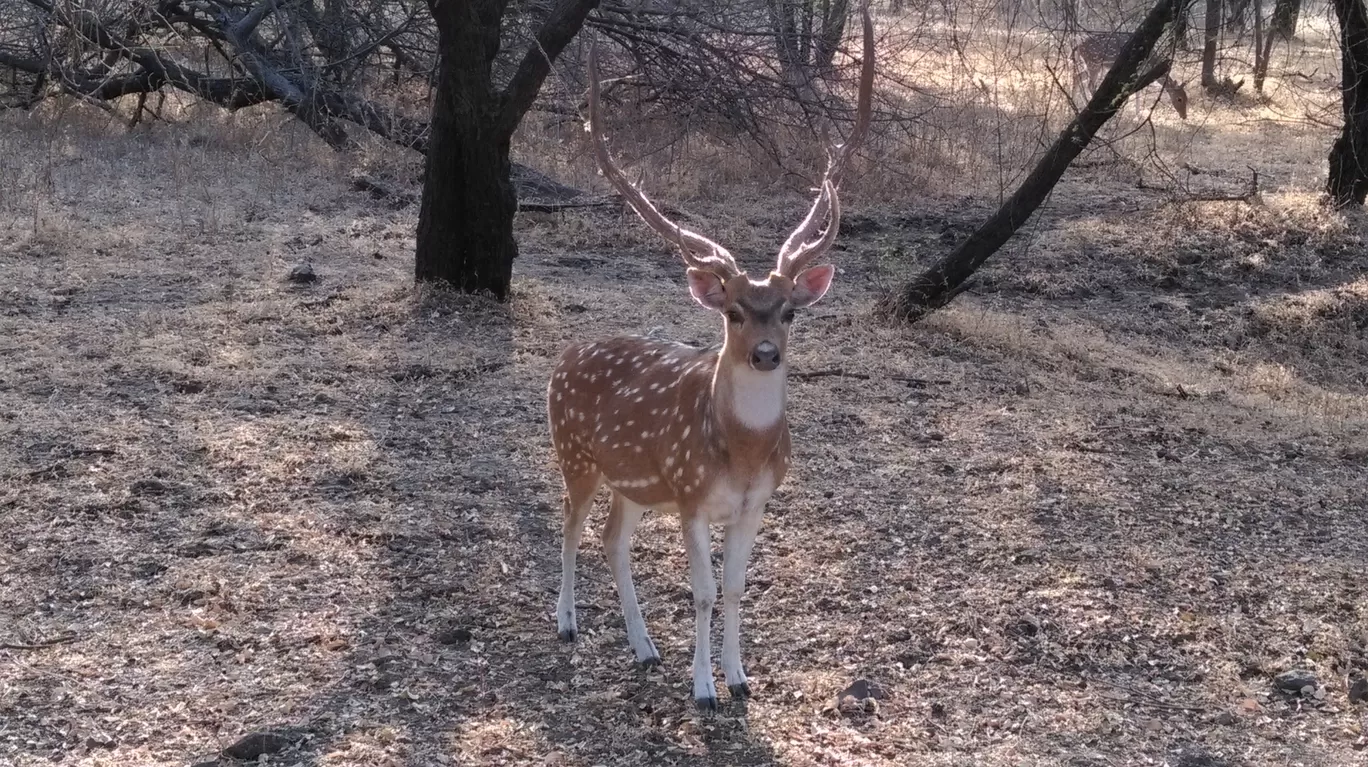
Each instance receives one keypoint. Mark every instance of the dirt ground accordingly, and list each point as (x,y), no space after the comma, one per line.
(1083,517)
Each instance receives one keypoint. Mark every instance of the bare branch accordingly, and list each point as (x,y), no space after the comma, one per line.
(556,32)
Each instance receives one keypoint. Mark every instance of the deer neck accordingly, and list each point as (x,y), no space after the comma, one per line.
(748,411)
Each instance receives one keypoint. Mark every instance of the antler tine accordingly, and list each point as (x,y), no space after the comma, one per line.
(826,205)
(808,251)
(698,251)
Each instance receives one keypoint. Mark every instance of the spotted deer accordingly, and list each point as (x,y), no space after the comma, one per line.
(1096,53)
(700,433)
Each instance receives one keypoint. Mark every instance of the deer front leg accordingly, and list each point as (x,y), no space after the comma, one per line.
(696,544)
(736,551)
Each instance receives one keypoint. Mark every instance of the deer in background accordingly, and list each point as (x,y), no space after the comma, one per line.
(1096,52)
(700,433)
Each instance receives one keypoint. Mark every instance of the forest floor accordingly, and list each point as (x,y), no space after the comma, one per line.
(1085,516)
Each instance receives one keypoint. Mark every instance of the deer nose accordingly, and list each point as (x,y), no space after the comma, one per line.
(765,356)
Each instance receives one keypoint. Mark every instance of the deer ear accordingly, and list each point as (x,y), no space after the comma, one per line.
(811,284)
(707,289)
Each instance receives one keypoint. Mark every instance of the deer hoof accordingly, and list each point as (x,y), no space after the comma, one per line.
(653,662)
(706,705)
(567,635)
(739,691)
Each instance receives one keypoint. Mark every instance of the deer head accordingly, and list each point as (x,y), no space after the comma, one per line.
(757,312)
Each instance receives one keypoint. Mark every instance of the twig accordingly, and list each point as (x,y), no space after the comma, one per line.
(843,373)
(810,374)
(1146,698)
(63,639)
(553,207)
(1251,194)
(921,381)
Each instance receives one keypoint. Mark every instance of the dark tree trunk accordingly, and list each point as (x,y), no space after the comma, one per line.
(946,279)
(1284,23)
(1237,15)
(834,15)
(1210,40)
(1263,47)
(1068,9)
(1348,179)
(465,224)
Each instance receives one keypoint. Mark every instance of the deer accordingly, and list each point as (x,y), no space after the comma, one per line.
(699,433)
(1095,54)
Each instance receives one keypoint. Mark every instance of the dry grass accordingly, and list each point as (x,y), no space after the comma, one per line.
(1129,491)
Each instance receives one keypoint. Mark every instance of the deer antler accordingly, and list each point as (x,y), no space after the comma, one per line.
(800,249)
(698,251)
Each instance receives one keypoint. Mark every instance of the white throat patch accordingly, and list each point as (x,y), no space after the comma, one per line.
(758,398)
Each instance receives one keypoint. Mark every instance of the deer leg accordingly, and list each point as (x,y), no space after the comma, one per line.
(696,544)
(736,551)
(579,499)
(623,516)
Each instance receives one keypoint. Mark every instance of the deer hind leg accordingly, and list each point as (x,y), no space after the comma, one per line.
(623,516)
(698,547)
(736,551)
(579,499)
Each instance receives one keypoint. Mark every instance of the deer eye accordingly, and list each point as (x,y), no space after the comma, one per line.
(787,316)
(734,316)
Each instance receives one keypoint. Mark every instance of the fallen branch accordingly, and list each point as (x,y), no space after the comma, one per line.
(1250,195)
(62,639)
(843,373)
(525,206)
(830,372)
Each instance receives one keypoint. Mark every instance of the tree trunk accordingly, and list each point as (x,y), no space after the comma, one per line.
(834,15)
(465,223)
(1237,15)
(1348,180)
(1263,47)
(1210,40)
(1284,23)
(947,278)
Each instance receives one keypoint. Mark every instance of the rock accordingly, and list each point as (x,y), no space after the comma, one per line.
(258,744)
(452,636)
(861,690)
(1226,718)
(302,274)
(1295,681)
(1358,690)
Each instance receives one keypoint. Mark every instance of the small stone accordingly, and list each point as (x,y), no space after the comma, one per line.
(1358,690)
(1295,681)
(257,744)
(302,274)
(452,636)
(1226,718)
(862,689)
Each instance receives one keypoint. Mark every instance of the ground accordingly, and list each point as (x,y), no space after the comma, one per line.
(1084,516)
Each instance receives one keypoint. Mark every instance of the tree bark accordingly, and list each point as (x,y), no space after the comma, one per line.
(947,278)
(1210,40)
(465,222)
(1284,23)
(1263,47)
(1348,178)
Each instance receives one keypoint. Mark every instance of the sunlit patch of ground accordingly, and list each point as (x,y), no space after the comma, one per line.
(1084,516)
